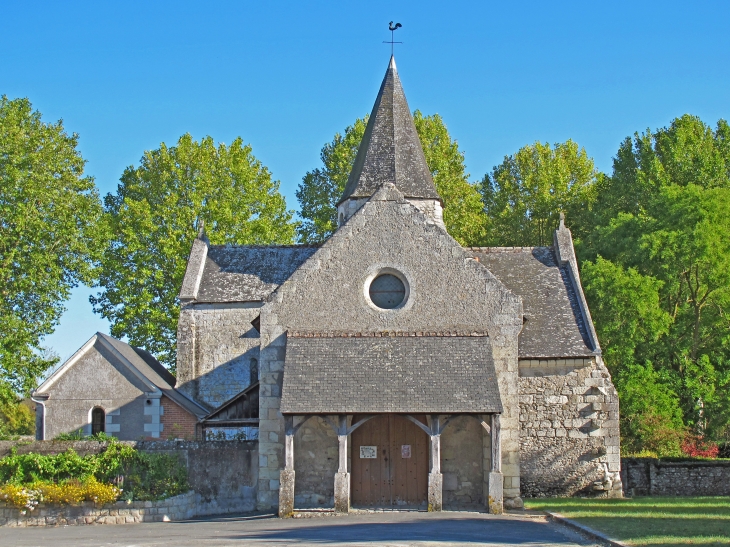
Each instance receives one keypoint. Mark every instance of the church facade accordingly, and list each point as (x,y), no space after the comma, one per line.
(389,366)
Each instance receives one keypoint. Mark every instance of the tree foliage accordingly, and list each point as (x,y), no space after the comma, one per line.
(662,217)
(525,194)
(156,213)
(48,236)
(322,188)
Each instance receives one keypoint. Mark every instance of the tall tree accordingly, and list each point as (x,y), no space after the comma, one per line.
(664,213)
(154,217)
(321,188)
(525,194)
(48,236)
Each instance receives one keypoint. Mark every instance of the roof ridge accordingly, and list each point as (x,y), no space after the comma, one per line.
(461,333)
(506,249)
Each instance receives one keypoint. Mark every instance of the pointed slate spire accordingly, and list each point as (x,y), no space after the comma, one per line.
(390,150)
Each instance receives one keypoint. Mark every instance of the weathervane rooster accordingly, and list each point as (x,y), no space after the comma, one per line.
(392,30)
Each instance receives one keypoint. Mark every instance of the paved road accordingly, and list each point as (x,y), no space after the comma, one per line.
(390,529)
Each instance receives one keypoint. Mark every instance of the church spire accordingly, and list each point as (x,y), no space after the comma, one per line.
(390,150)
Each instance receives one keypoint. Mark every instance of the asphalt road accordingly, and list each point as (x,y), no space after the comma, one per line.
(390,528)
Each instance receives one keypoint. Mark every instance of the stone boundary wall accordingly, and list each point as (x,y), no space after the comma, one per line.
(176,508)
(223,475)
(653,477)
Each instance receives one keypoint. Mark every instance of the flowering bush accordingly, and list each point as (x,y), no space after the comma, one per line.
(696,446)
(69,492)
(143,476)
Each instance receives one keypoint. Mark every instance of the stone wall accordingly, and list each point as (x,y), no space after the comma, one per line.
(216,343)
(179,507)
(652,477)
(222,474)
(569,435)
(464,459)
(315,463)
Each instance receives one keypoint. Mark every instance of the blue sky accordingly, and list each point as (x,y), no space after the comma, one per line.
(286,76)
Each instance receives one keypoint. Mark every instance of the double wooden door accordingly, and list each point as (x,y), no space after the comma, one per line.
(389,462)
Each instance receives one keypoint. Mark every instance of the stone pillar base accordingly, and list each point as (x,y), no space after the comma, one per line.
(435,489)
(286,493)
(342,492)
(496,502)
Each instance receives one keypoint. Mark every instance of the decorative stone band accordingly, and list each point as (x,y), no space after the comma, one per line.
(179,507)
(385,334)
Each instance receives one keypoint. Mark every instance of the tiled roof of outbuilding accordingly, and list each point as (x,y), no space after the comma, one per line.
(434,374)
(554,325)
(248,273)
(390,150)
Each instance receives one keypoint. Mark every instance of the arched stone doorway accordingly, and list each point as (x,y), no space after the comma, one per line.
(390,462)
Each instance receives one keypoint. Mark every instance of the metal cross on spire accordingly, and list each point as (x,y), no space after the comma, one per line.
(392,35)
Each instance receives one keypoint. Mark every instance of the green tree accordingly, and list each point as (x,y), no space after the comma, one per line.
(48,236)
(322,188)
(626,310)
(651,418)
(525,194)
(154,217)
(665,213)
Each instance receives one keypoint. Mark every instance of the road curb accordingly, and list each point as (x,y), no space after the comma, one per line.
(557,517)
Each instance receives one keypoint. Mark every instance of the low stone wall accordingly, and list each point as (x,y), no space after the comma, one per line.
(177,508)
(652,477)
(222,474)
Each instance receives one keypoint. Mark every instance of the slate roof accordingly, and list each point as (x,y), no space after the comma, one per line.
(554,325)
(248,273)
(407,374)
(390,150)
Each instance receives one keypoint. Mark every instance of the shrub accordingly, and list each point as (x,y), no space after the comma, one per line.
(696,446)
(143,476)
(69,492)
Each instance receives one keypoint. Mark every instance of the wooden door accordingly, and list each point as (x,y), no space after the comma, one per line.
(389,462)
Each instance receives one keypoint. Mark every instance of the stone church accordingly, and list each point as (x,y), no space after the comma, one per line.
(390,366)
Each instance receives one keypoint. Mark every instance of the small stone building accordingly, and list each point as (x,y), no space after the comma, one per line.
(111,387)
(393,367)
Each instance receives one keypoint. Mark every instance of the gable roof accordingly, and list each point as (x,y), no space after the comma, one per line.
(554,324)
(407,373)
(390,150)
(139,362)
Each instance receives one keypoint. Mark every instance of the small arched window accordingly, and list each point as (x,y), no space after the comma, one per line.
(98,421)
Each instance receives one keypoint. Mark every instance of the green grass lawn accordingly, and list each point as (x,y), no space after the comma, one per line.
(649,521)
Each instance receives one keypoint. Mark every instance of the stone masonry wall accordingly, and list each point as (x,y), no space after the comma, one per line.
(216,343)
(447,288)
(462,463)
(315,463)
(569,435)
(222,474)
(179,507)
(652,477)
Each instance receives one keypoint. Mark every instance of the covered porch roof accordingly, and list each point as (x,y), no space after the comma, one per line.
(432,373)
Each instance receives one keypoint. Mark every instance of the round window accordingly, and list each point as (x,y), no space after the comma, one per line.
(387,291)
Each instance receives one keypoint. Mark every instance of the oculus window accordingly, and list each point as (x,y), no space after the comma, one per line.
(387,291)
